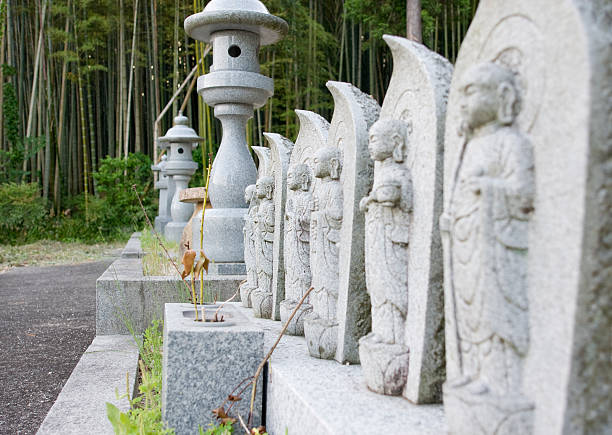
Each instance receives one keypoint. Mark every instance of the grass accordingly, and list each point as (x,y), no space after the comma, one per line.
(144,416)
(50,252)
(155,262)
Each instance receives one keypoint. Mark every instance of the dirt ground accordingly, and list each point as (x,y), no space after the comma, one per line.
(47,320)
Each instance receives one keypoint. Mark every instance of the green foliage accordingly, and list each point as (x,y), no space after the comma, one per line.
(144,416)
(115,212)
(222,429)
(22,213)
(114,180)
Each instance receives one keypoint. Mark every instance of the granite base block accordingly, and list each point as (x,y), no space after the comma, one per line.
(308,395)
(204,362)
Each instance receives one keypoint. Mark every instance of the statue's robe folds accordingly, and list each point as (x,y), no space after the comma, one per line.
(249,247)
(326,223)
(489,231)
(297,244)
(264,254)
(387,237)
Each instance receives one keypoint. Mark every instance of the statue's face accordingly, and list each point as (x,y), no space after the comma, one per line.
(381,143)
(293,182)
(321,164)
(261,189)
(248,193)
(479,101)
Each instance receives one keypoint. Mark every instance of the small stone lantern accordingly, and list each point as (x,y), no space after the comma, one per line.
(161,184)
(179,168)
(236,29)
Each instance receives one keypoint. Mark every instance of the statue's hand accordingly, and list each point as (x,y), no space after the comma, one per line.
(445,222)
(363,204)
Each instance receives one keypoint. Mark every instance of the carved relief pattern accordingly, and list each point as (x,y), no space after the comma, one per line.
(487,222)
(383,352)
(261,298)
(249,247)
(325,224)
(300,186)
(297,244)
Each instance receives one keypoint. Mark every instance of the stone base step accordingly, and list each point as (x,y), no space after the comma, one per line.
(306,395)
(107,369)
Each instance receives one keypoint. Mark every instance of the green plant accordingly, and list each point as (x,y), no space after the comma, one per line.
(114,180)
(144,416)
(222,429)
(22,213)
(154,262)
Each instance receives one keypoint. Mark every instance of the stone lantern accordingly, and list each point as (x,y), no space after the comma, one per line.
(235,88)
(180,166)
(161,184)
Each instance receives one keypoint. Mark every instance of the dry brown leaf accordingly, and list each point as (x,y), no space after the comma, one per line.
(233,398)
(228,420)
(219,413)
(203,263)
(188,259)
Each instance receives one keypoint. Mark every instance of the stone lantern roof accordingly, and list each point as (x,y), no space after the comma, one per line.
(181,132)
(249,15)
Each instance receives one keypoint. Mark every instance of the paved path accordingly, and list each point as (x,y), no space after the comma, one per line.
(47,320)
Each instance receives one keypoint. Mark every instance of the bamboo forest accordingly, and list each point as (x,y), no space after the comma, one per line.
(89,85)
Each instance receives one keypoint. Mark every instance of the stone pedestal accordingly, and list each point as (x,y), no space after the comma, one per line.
(181,212)
(161,184)
(180,167)
(203,362)
(223,241)
(234,88)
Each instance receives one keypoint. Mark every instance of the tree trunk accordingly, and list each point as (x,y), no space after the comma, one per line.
(34,84)
(414,29)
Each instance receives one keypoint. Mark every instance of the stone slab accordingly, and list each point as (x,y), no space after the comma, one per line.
(99,377)
(307,395)
(124,296)
(203,363)
(132,248)
(194,194)
(227,269)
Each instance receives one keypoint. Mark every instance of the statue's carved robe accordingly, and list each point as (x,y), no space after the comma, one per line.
(387,237)
(489,232)
(297,244)
(265,217)
(325,225)
(249,246)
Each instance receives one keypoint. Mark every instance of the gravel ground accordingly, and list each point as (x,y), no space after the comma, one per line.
(47,320)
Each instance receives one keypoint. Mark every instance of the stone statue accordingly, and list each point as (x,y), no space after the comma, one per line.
(321,325)
(383,352)
(486,225)
(246,288)
(261,298)
(297,245)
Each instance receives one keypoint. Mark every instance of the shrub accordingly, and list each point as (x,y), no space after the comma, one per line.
(114,180)
(22,213)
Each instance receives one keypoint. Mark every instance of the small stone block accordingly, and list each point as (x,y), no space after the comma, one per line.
(204,362)
(193,195)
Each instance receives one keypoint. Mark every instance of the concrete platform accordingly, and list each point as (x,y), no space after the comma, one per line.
(127,301)
(306,395)
(132,248)
(108,366)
